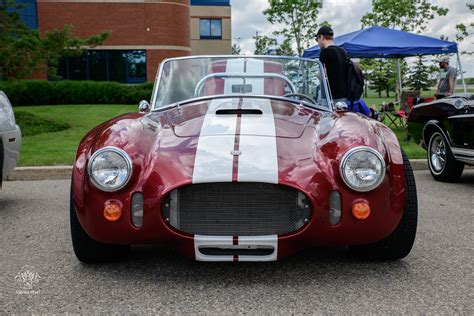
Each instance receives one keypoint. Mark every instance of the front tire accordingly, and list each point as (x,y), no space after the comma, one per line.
(443,166)
(399,243)
(88,250)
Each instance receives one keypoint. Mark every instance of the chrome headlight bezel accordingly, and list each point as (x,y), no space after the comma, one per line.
(348,155)
(123,155)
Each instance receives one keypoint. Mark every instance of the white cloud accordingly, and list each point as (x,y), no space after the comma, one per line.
(344,16)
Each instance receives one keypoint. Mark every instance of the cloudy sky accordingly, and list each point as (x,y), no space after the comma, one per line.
(344,16)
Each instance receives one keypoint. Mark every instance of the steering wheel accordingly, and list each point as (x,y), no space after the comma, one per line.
(301,96)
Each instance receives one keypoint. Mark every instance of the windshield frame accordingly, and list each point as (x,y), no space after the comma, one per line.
(324,79)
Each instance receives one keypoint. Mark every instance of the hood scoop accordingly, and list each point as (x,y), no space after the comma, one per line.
(257,117)
(239,111)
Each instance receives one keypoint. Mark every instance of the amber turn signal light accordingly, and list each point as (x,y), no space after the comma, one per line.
(112,211)
(360,210)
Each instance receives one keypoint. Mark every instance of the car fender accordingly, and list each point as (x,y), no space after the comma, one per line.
(434,125)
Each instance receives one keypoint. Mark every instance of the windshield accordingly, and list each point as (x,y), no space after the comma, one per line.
(188,78)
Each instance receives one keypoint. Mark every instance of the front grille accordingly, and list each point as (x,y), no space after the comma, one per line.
(236,209)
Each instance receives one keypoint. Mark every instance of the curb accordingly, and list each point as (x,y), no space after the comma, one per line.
(40,173)
(64,172)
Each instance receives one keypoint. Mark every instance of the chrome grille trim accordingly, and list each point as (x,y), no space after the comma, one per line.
(236,209)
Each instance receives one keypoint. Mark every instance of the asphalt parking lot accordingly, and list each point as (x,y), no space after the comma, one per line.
(437,277)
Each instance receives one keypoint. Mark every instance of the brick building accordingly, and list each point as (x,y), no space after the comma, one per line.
(144,32)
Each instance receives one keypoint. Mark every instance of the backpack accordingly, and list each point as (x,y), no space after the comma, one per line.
(355,81)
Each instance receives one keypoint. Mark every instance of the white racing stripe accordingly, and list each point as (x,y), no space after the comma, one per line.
(213,161)
(212,242)
(235,65)
(258,161)
(243,242)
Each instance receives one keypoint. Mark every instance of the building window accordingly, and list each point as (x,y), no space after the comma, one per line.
(105,65)
(211,28)
(27,12)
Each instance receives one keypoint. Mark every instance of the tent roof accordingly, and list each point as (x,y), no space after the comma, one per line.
(381,42)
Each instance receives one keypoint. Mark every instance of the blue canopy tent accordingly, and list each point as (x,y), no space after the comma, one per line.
(381,42)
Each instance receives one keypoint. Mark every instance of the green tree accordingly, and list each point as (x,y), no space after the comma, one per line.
(297,19)
(263,43)
(422,76)
(464,31)
(23,50)
(58,43)
(285,48)
(382,77)
(236,50)
(405,15)
(19,45)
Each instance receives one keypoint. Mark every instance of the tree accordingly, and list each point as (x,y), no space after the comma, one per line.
(297,19)
(23,50)
(422,76)
(59,43)
(263,44)
(405,15)
(236,50)
(464,31)
(19,46)
(285,48)
(383,77)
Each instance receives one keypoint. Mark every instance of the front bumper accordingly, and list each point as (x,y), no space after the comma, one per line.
(386,204)
(11,149)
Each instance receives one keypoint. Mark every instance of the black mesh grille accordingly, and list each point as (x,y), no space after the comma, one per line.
(236,209)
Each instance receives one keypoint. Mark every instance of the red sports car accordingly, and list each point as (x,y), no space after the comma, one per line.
(240,158)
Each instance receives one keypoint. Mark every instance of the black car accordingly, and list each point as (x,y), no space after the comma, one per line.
(445,128)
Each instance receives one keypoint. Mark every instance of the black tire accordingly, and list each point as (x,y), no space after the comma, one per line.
(398,244)
(87,249)
(451,169)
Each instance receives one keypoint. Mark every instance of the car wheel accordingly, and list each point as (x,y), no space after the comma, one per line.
(87,249)
(398,244)
(443,166)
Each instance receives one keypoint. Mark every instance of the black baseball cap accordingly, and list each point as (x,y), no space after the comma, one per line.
(325,30)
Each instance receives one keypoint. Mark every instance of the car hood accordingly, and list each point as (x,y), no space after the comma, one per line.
(255,116)
(301,147)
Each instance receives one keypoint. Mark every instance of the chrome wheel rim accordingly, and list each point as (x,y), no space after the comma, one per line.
(438,153)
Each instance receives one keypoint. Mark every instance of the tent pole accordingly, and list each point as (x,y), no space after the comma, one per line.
(399,79)
(462,74)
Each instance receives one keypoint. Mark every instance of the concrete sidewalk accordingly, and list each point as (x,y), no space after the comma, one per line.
(64,172)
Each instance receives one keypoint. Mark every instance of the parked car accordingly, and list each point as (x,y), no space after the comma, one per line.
(445,128)
(241,159)
(10,138)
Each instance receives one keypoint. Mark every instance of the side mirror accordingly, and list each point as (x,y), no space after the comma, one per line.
(143,106)
(341,106)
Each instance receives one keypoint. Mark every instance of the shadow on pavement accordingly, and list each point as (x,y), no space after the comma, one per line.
(152,265)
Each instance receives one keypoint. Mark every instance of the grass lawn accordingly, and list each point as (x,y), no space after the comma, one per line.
(58,147)
(51,133)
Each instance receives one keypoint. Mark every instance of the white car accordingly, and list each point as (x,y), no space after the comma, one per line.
(10,138)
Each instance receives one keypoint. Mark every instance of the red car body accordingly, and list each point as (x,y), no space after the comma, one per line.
(165,146)
(309,162)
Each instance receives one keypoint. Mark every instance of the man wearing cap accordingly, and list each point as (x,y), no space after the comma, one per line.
(334,60)
(447,79)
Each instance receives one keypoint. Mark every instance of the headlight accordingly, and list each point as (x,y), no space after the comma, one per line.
(110,169)
(6,112)
(362,168)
